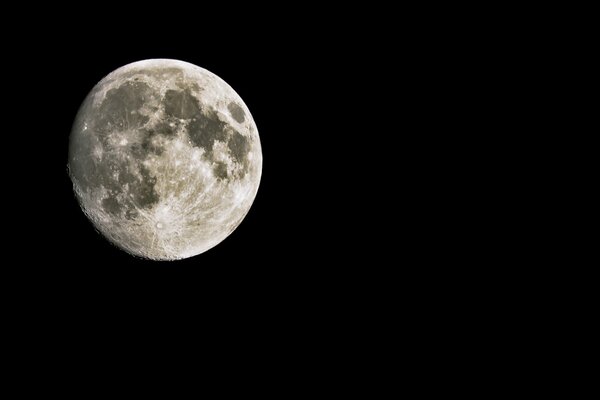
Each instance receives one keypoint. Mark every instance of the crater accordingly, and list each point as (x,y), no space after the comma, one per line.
(131,213)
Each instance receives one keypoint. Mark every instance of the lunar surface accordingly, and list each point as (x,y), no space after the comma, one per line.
(165,159)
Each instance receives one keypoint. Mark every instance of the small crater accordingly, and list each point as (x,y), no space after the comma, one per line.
(236,112)
(131,214)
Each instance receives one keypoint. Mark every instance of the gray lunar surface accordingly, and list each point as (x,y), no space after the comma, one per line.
(165,159)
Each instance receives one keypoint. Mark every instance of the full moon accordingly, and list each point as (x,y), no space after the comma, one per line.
(165,159)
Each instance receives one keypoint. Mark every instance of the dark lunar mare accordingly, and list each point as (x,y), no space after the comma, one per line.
(236,112)
(206,127)
(119,170)
(115,173)
(115,112)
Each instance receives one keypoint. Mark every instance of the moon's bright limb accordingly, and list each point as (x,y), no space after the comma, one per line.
(165,159)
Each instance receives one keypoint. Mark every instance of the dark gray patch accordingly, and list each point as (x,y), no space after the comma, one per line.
(138,151)
(181,104)
(102,174)
(115,110)
(239,146)
(236,112)
(205,129)
(163,128)
(143,192)
(126,177)
(220,170)
(146,147)
(114,172)
(111,206)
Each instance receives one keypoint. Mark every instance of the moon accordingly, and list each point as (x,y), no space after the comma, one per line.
(165,159)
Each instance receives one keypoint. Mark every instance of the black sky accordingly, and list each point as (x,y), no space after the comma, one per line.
(303,83)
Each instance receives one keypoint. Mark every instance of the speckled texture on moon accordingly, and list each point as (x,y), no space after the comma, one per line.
(165,159)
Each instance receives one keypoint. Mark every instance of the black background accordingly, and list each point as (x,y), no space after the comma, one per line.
(362,222)
(311,88)
(354,229)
